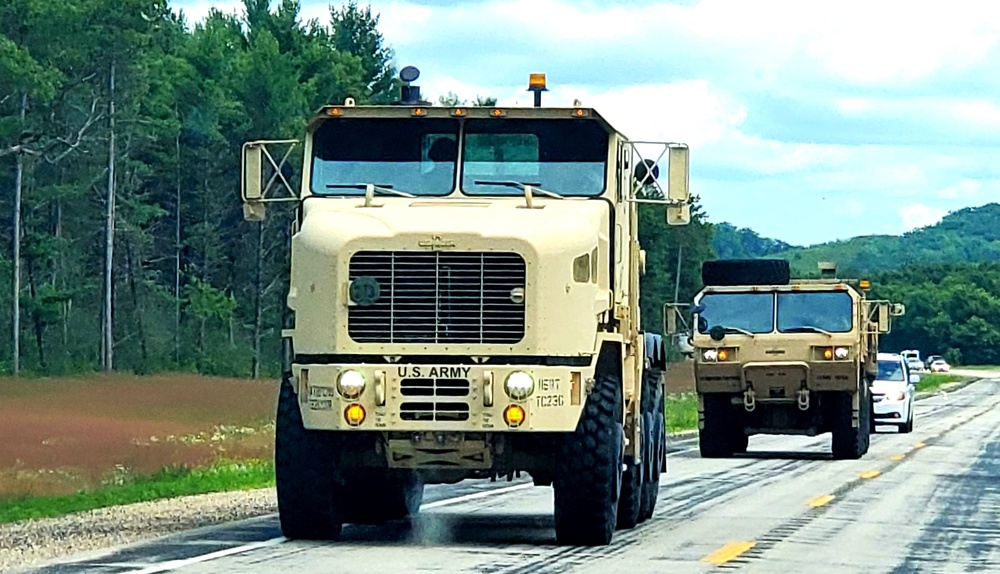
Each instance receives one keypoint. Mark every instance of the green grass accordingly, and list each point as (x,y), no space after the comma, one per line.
(682,412)
(935,380)
(981,367)
(167,483)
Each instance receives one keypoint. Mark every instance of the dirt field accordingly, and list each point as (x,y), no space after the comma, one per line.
(680,377)
(58,436)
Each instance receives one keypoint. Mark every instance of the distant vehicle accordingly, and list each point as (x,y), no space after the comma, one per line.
(892,392)
(931,359)
(915,365)
(940,366)
(910,354)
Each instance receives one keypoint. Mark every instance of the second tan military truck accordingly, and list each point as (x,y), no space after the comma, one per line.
(780,356)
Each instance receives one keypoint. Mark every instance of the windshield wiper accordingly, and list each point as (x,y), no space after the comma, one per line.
(387,189)
(807,329)
(529,189)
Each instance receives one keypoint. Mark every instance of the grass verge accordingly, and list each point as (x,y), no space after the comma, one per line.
(682,412)
(167,483)
(935,380)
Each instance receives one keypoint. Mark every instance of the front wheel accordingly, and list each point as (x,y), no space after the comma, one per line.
(589,469)
(850,442)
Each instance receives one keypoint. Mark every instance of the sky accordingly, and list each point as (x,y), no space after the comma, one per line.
(807,121)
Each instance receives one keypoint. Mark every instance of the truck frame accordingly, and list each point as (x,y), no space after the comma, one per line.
(465,292)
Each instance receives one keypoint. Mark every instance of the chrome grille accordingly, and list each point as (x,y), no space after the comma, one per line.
(439,297)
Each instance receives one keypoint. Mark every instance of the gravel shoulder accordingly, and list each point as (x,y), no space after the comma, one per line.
(31,542)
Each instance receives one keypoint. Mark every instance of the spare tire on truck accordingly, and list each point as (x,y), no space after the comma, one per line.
(735,272)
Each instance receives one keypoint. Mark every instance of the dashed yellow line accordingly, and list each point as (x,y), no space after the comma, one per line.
(920,445)
(728,552)
(870,473)
(820,500)
(897,457)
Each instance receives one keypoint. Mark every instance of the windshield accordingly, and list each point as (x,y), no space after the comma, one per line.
(753,312)
(890,371)
(830,311)
(567,157)
(415,157)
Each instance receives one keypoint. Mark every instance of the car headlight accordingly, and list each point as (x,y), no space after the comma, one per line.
(896,396)
(519,385)
(351,384)
(710,355)
(841,352)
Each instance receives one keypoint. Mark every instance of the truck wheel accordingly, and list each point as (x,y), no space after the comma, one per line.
(379,495)
(630,500)
(305,474)
(716,439)
(656,435)
(850,442)
(588,471)
(740,441)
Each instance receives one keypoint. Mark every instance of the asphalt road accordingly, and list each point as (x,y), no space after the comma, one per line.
(922,502)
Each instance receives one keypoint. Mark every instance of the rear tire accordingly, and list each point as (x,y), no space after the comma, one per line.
(588,471)
(851,442)
(307,479)
(656,435)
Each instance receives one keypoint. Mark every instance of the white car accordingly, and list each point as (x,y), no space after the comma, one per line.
(914,365)
(892,392)
(940,366)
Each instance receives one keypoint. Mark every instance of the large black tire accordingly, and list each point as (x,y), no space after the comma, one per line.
(655,435)
(306,476)
(851,442)
(379,495)
(589,469)
(717,438)
(907,427)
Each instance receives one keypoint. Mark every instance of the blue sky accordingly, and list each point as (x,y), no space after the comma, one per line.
(807,122)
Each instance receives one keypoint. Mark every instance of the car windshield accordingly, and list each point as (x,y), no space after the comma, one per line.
(567,157)
(890,371)
(830,311)
(753,312)
(402,155)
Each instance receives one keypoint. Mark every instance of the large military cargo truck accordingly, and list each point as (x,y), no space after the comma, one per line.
(465,292)
(780,356)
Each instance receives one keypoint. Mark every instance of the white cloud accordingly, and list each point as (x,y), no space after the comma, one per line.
(966,188)
(920,215)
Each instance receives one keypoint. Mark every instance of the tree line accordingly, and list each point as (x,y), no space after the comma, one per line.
(120,131)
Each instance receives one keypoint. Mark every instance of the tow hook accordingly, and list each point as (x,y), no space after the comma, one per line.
(749,400)
(803,399)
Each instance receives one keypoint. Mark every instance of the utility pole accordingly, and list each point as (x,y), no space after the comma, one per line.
(107,356)
(18,187)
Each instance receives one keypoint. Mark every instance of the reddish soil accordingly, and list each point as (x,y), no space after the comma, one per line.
(680,377)
(61,435)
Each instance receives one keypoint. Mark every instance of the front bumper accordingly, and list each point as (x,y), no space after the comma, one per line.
(457,398)
(886,411)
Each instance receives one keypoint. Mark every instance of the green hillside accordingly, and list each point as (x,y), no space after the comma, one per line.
(969,235)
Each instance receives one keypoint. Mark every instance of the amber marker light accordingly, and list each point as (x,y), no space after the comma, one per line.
(458,112)
(335,112)
(865,284)
(579,113)
(419,112)
(723,355)
(497,112)
(354,414)
(513,416)
(828,354)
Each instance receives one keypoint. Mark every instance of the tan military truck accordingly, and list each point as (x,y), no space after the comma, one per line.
(465,288)
(781,356)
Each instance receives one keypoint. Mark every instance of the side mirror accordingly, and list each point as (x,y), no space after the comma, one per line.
(897,310)
(669,320)
(883,318)
(260,174)
(678,191)
(914,379)
(252,188)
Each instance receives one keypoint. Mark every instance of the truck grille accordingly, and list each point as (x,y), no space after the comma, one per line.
(438,297)
(434,387)
(428,411)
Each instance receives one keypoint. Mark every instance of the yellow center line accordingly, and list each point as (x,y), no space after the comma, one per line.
(820,500)
(870,473)
(920,445)
(897,457)
(728,552)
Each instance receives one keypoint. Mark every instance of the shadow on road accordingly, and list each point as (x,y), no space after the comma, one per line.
(789,455)
(434,529)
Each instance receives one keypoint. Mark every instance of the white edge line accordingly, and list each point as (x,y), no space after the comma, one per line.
(175,564)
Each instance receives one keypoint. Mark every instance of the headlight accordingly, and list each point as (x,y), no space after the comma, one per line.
(519,385)
(710,355)
(351,384)
(841,352)
(897,396)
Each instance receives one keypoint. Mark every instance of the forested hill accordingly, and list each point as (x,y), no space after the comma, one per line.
(730,242)
(969,235)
